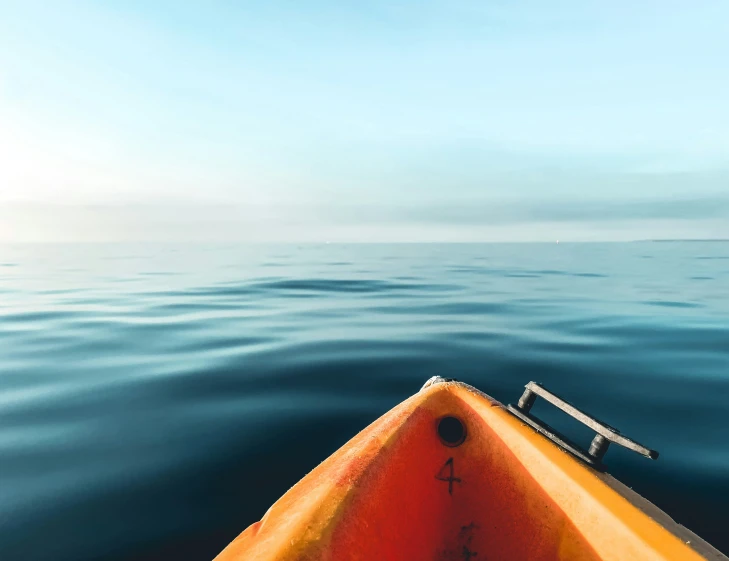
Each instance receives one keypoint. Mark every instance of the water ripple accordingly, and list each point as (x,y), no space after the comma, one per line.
(155,382)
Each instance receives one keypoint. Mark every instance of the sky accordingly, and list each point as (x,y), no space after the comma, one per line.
(363,121)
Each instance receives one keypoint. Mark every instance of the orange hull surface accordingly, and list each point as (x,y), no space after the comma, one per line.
(412,487)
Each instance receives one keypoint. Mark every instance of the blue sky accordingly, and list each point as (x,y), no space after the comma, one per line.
(357,121)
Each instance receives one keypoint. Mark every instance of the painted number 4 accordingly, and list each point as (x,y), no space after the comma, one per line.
(446,474)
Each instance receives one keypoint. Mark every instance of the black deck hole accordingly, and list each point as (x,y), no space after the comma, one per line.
(451,431)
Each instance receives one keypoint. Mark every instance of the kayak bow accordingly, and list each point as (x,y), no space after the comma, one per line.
(451,474)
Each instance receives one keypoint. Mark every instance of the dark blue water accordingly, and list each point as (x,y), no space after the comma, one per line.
(155,400)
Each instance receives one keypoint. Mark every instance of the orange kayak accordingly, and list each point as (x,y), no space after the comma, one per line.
(452,474)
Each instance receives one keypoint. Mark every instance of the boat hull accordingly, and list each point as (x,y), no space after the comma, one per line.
(405,488)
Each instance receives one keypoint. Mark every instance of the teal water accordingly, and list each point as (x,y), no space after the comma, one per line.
(156,399)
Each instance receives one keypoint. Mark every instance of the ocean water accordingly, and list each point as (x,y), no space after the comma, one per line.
(156,399)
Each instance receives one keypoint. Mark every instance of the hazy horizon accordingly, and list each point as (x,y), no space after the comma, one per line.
(314,122)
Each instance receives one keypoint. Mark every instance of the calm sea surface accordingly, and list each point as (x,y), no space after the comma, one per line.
(156,399)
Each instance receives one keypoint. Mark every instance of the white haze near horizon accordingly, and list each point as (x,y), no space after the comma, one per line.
(315,121)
